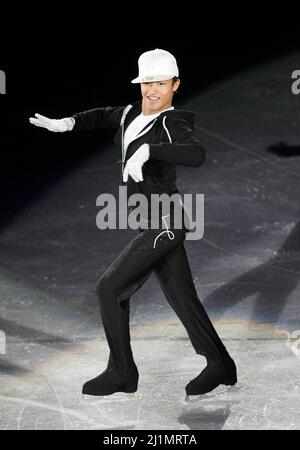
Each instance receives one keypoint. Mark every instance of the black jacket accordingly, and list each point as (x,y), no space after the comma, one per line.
(170,138)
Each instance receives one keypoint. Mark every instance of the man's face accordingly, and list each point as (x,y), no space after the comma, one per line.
(158,95)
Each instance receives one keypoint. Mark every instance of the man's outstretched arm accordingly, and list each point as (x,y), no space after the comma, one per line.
(106,118)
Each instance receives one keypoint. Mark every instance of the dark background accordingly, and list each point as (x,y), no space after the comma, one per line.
(59,74)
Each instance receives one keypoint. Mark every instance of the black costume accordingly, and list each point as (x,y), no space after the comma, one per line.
(171,142)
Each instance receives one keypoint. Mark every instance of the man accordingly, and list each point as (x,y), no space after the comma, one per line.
(155,137)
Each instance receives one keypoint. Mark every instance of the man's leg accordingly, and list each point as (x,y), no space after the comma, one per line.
(174,275)
(125,276)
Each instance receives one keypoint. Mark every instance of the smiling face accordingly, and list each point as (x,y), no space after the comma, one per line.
(157,95)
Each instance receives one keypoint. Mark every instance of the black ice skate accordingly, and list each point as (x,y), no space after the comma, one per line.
(109,382)
(212,376)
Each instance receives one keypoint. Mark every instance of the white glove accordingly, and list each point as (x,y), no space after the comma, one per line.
(56,125)
(135,163)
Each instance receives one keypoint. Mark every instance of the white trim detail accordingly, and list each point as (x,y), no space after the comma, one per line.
(128,107)
(170,233)
(167,131)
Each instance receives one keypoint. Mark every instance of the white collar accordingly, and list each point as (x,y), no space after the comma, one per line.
(156,114)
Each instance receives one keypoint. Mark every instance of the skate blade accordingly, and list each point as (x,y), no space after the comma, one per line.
(217,392)
(116,397)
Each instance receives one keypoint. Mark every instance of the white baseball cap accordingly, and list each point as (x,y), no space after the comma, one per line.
(156,65)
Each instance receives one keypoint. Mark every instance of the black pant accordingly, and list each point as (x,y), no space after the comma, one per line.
(163,251)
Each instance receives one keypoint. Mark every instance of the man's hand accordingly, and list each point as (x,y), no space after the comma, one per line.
(56,125)
(135,163)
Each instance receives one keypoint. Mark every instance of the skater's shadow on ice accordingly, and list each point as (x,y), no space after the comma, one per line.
(271,282)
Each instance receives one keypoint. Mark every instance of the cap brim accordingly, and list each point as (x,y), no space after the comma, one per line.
(150,79)
(136,80)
